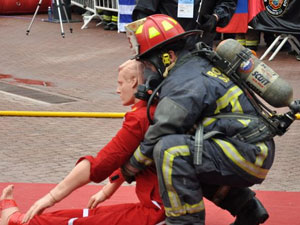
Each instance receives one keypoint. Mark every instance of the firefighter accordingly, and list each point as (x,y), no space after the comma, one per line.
(191,96)
(213,13)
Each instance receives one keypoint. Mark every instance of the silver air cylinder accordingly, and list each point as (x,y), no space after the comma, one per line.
(260,77)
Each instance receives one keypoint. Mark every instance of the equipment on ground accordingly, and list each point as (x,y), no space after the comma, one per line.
(63,114)
(59,16)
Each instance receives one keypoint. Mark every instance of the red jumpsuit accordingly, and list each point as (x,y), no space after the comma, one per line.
(109,159)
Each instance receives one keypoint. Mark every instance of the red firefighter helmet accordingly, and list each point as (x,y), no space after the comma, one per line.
(154,32)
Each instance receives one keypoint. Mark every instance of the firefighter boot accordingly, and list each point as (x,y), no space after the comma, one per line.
(114,22)
(252,39)
(253,213)
(106,19)
(240,202)
(241,38)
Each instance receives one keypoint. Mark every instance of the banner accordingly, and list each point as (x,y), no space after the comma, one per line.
(246,10)
(125,13)
(280,16)
(239,20)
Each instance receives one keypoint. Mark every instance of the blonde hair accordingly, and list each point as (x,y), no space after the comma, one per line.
(133,69)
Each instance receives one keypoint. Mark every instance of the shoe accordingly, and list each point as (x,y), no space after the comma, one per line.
(110,26)
(106,27)
(298,57)
(113,27)
(253,213)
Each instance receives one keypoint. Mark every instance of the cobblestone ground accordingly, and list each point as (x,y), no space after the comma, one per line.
(83,66)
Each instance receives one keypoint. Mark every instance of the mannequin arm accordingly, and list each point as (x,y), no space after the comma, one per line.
(105,193)
(79,176)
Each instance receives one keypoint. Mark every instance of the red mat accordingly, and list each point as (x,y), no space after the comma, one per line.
(283,207)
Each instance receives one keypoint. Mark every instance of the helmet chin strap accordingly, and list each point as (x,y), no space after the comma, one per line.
(168,68)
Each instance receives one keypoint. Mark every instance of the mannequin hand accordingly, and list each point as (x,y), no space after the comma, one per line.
(96,199)
(38,207)
(209,23)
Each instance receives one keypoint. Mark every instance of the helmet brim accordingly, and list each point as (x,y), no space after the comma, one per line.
(171,40)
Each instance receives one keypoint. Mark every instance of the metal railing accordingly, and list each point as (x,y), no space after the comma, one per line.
(109,5)
(94,6)
(85,4)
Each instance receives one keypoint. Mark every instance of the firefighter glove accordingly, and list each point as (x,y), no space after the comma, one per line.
(209,23)
(128,172)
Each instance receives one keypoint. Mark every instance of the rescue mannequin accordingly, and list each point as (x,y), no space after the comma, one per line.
(148,211)
(194,91)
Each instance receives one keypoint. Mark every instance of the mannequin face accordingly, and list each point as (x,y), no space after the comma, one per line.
(127,85)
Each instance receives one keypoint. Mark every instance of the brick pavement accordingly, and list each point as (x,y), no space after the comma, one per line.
(84,66)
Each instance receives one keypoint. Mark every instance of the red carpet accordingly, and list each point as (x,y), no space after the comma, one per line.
(283,207)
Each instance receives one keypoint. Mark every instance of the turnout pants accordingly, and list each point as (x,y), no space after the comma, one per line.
(180,181)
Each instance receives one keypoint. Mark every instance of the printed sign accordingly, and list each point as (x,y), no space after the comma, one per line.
(185,9)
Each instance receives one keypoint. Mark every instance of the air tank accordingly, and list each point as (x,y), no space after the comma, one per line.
(260,78)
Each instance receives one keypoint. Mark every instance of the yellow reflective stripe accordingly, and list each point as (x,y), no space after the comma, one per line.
(153,32)
(106,17)
(232,153)
(140,29)
(166,25)
(207,121)
(167,166)
(231,97)
(252,42)
(262,155)
(242,41)
(236,106)
(171,19)
(114,18)
(186,208)
(141,158)
(244,122)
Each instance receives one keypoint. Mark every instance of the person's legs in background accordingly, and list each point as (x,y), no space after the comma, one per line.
(250,39)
